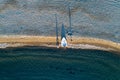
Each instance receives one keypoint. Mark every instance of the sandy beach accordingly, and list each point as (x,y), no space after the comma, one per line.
(78,42)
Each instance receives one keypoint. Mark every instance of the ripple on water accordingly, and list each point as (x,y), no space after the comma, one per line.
(28,63)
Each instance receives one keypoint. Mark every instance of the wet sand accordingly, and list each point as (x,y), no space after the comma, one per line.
(48,41)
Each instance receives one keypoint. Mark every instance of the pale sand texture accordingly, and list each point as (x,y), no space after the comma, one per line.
(78,42)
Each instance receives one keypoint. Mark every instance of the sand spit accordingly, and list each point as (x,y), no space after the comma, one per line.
(78,42)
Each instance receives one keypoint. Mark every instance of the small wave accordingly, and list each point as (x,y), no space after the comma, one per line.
(4,45)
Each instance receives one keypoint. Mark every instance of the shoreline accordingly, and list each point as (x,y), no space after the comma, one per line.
(50,41)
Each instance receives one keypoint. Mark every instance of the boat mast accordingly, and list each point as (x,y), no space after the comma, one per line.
(63,33)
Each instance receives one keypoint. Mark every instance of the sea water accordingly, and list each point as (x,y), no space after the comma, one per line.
(38,63)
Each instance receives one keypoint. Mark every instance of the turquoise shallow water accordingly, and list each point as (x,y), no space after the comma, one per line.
(36,63)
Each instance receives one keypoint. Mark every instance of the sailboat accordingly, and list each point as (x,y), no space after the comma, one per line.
(63,37)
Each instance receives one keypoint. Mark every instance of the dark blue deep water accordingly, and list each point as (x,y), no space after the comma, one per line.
(36,63)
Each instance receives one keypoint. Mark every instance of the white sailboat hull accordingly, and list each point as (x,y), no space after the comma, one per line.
(63,42)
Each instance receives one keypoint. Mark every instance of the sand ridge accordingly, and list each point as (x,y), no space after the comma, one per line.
(81,42)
